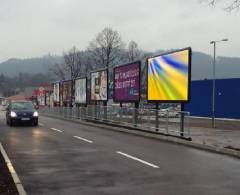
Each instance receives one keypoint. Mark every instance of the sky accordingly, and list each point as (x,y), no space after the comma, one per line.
(33,28)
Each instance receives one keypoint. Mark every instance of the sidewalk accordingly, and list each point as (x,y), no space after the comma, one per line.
(220,138)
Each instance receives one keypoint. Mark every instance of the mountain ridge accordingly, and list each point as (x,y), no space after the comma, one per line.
(226,67)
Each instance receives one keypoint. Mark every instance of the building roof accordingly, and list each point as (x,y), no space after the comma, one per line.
(19,97)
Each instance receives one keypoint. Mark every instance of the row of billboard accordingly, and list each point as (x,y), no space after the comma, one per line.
(168,79)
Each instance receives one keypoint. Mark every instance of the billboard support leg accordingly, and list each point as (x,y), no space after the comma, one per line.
(104,110)
(78,111)
(136,106)
(156,116)
(182,120)
(120,114)
(95,110)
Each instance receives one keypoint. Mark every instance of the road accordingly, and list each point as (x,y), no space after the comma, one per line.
(61,157)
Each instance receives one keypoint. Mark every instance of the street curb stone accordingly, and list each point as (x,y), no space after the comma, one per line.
(12,171)
(167,138)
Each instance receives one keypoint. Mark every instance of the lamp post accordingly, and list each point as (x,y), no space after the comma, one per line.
(214,77)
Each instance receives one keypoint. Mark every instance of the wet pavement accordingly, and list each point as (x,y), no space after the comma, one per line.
(61,157)
(220,138)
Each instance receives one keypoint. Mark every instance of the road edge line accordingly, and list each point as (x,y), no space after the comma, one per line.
(14,174)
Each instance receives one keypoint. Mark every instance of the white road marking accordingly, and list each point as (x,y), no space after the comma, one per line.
(54,129)
(83,139)
(137,159)
(40,124)
(11,169)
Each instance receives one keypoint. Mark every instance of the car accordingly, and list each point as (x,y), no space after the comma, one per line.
(21,112)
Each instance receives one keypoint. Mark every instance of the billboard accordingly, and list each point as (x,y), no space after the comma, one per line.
(169,76)
(56,92)
(99,85)
(81,90)
(126,84)
(66,91)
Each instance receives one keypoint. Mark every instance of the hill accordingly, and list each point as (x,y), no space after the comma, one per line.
(202,68)
(13,67)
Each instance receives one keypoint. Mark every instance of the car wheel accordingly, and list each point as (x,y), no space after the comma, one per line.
(10,122)
(35,123)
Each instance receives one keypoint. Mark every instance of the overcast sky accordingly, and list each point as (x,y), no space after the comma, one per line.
(31,28)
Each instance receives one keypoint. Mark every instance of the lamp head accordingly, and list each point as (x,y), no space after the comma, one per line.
(224,39)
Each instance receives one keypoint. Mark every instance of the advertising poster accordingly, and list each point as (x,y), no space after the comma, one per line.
(81,91)
(66,91)
(99,82)
(56,92)
(127,82)
(169,76)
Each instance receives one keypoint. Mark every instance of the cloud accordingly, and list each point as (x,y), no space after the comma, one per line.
(34,28)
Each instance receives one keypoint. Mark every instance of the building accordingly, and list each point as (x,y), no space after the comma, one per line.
(227,96)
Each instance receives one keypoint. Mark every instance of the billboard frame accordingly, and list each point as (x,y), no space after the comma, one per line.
(59,88)
(94,71)
(189,76)
(78,78)
(64,81)
(139,82)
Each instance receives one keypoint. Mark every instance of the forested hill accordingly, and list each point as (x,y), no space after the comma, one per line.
(13,67)
(201,66)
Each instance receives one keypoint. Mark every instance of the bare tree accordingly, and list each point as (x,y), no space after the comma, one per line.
(230,5)
(75,65)
(73,62)
(60,71)
(105,47)
(133,51)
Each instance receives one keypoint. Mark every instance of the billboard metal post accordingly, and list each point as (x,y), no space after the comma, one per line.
(156,116)
(136,106)
(105,110)
(95,110)
(121,112)
(182,120)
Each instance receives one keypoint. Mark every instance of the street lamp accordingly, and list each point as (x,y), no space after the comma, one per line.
(213,88)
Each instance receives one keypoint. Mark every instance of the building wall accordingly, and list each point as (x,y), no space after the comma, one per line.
(227,102)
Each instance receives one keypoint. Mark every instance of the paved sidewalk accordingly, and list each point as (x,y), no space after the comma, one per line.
(220,138)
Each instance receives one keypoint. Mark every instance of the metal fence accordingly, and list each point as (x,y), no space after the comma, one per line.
(165,122)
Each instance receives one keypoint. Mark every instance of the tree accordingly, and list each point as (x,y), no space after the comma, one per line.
(133,51)
(105,47)
(229,6)
(59,71)
(74,62)
(75,65)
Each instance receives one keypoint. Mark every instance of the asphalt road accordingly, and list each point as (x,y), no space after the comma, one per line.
(61,157)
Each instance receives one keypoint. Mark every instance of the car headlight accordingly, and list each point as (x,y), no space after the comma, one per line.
(13,114)
(35,114)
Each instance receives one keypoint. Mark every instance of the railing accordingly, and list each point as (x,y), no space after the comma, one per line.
(168,122)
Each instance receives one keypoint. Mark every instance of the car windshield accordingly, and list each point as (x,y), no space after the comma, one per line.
(22,106)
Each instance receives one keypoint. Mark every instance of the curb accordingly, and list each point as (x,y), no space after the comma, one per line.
(14,175)
(152,135)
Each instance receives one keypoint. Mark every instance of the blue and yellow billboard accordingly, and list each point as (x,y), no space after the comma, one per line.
(169,76)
